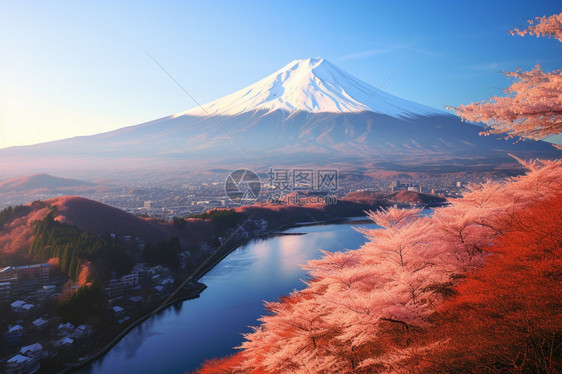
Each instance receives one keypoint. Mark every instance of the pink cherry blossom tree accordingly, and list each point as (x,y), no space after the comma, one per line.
(363,308)
(532,107)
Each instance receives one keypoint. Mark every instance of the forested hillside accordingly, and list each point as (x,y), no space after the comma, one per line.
(73,248)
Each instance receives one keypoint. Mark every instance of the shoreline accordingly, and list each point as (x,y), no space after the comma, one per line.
(116,339)
(206,266)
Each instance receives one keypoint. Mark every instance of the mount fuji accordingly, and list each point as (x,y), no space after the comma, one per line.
(310,112)
(313,86)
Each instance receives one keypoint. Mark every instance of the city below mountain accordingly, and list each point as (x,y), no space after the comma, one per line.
(309,113)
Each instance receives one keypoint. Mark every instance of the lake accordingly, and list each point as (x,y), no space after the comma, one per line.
(181,337)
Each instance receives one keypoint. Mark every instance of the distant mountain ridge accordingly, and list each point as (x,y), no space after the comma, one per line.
(310,113)
(39,181)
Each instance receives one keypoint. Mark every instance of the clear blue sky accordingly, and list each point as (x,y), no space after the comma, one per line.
(71,68)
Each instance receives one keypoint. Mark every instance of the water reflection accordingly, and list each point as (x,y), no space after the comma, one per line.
(177,307)
(180,338)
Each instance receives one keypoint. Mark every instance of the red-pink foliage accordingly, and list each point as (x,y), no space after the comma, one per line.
(364,308)
(85,273)
(221,366)
(531,109)
(16,236)
(533,105)
(508,314)
(543,26)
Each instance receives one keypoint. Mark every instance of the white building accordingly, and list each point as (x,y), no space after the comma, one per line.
(16,305)
(27,308)
(86,329)
(81,332)
(13,335)
(118,311)
(39,323)
(16,329)
(64,342)
(136,299)
(21,364)
(65,329)
(33,350)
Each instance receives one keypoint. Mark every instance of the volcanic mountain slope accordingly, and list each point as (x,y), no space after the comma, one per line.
(314,86)
(308,113)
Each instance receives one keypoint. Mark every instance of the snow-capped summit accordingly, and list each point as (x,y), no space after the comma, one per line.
(313,85)
(310,114)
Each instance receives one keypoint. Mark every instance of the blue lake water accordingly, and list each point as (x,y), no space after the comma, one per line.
(181,337)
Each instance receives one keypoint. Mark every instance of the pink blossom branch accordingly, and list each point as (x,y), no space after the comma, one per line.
(532,108)
(543,26)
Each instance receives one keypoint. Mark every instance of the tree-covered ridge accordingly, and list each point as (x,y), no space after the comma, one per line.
(222,218)
(376,309)
(9,213)
(73,247)
(83,304)
(164,253)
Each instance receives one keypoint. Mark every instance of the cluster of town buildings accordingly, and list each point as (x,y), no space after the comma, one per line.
(51,337)
(182,195)
(451,189)
(31,280)
(252,227)
(26,290)
(31,331)
(143,284)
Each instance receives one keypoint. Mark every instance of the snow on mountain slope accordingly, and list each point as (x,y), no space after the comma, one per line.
(312,85)
(308,113)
